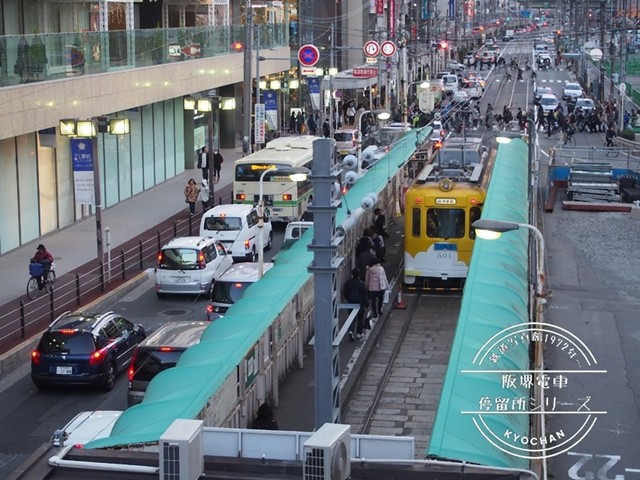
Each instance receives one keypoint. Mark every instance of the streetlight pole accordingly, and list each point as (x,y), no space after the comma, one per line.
(97,191)
(261,222)
(246,99)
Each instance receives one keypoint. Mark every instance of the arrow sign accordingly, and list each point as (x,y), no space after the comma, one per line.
(371,48)
(388,48)
(308,55)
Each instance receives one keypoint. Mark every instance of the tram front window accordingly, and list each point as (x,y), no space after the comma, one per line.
(445,223)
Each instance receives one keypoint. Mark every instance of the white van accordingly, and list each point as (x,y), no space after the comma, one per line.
(231,285)
(236,227)
(450,83)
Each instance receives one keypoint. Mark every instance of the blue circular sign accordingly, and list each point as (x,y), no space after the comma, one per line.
(308,55)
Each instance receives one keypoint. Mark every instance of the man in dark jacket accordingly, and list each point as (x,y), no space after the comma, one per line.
(355,292)
(326,129)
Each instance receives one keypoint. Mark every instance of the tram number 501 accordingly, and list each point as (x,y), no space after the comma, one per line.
(444,255)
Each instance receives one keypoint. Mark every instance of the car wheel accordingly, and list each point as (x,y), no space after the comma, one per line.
(252,256)
(269,244)
(161,295)
(110,377)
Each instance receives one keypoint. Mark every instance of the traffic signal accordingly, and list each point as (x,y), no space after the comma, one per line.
(237,47)
(443,45)
(437,145)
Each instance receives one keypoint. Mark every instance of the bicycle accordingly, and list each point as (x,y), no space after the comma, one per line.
(36,271)
(568,138)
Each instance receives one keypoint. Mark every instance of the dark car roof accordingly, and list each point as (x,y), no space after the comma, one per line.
(176,334)
(75,321)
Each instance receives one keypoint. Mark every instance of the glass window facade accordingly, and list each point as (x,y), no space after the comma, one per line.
(36,181)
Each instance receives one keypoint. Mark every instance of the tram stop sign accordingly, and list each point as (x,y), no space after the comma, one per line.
(308,55)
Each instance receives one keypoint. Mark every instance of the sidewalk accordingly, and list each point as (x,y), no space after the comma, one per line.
(75,246)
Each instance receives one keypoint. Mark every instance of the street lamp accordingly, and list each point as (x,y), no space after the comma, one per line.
(296,174)
(86,130)
(493,229)
(505,137)
(424,84)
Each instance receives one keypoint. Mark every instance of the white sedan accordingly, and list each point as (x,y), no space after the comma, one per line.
(572,91)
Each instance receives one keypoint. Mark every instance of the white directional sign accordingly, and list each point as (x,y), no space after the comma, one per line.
(388,48)
(371,48)
(623,88)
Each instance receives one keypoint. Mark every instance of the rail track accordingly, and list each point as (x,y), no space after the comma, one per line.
(399,388)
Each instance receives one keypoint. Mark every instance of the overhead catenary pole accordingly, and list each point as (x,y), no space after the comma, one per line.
(602,31)
(246,99)
(257,31)
(331,67)
(324,267)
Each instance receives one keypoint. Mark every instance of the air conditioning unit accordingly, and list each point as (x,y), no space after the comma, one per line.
(327,453)
(181,455)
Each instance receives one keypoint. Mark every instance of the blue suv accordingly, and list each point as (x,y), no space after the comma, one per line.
(85,348)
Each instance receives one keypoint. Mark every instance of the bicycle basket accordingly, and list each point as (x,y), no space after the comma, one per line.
(35,269)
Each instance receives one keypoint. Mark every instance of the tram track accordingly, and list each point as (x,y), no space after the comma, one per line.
(398,391)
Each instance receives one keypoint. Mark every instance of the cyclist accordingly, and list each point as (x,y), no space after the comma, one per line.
(44,258)
(567,132)
(610,135)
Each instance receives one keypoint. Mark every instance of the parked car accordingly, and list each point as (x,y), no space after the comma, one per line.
(548,102)
(585,104)
(456,66)
(232,284)
(85,348)
(460,97)
(158,352)
(236,227)
(572,91)
(190,265)
(86,427)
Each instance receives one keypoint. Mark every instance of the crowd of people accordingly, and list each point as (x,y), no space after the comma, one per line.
(368,283)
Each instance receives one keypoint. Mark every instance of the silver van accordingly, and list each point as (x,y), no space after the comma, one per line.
(231,285)
(160,351)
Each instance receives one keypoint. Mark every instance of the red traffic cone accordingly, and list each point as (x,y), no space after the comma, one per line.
(399,302)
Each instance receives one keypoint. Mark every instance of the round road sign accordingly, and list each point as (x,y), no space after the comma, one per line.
(623,88)
(596,54)
(308,55)
(371,48)
(388,48)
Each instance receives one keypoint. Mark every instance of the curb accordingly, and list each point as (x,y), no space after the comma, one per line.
(12,359)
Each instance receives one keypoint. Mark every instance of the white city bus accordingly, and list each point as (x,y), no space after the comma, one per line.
(286,200)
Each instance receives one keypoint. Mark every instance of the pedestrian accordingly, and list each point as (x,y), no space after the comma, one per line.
(217,165)
(380,222)
(376,283)
(300,123)
(313,126)
(354,292)
(292,123)
(326,129)
(364,242)
(203,195)
(191,195)
(378,246)
(265,419)
(351,114)
(203,162)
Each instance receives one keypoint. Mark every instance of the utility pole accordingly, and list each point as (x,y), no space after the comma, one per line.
(623,62)
(255,118)
(331,67)
(246,98)
(602,31)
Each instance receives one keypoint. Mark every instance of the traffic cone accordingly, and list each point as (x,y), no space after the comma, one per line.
(399,302)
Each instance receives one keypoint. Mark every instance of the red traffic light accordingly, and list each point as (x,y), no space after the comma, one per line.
(437,145)
(443,44)
(237,46)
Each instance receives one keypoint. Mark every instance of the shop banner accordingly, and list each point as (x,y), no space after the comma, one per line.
(259,129)
(314,92)
(270,98)
(82,158)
